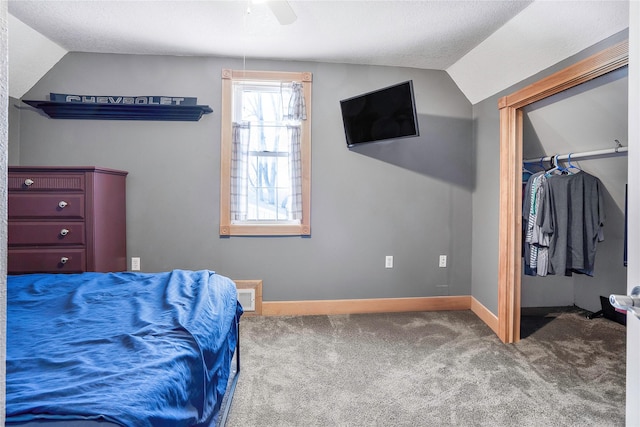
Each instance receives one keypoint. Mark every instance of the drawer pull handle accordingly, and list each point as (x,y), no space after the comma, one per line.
(28,182)
(64,260)
(62,204)
(64,232)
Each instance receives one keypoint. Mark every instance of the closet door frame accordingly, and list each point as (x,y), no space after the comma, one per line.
(510,225)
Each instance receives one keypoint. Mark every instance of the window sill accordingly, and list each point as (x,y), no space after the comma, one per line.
(265,230)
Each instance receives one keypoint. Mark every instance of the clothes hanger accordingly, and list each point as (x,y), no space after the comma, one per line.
(555,167)
(528,170)
(571,165)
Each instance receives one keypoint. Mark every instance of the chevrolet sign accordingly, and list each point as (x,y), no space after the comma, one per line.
(123,100)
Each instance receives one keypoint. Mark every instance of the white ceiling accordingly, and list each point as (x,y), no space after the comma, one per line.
(466,38)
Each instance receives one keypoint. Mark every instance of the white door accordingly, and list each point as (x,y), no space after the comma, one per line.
(633,238)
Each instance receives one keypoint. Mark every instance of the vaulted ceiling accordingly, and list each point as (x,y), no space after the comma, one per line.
(485,46)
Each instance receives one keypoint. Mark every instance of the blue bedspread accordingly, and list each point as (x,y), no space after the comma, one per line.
(132,348)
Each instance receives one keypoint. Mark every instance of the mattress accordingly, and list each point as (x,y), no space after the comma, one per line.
(131,349)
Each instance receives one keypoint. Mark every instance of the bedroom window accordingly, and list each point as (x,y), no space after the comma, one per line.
(265,153)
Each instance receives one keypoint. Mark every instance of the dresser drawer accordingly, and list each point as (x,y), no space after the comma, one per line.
(39,260)
(46,233)
(35,181)
(46,205)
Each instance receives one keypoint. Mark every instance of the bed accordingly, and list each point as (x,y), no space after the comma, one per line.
(123,349)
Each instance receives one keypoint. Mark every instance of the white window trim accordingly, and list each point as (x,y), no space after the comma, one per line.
(228,227)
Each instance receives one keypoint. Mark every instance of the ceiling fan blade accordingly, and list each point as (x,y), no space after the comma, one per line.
(282,10)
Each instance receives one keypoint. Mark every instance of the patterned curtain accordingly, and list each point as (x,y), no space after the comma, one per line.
(297,108)
(239,170)
(297,112)
(295,163)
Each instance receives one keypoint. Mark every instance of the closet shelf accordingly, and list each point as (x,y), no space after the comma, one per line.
(96,111)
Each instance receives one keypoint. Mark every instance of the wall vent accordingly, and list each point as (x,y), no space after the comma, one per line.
(247,298)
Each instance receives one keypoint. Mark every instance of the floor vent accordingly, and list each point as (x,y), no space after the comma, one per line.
(247,298)
(250,296)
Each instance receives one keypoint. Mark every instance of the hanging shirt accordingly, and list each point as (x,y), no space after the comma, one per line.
(573,217)
(538,238)
(535,242)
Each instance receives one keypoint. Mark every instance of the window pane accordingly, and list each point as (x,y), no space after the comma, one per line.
(269,187)
(261,102)
(269,183)
(268,138)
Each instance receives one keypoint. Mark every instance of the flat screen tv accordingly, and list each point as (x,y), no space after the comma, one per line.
(387,113)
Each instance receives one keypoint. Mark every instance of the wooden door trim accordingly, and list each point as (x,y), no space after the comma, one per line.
(510,224)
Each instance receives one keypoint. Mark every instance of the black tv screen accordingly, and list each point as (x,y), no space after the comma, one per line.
(387,113)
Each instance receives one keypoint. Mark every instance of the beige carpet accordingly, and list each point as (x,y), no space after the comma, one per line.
(429,369)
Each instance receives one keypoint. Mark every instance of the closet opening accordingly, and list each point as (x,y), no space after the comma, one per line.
(514,116)
(574,176)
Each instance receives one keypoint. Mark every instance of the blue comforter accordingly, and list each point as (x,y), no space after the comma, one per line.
(132,348)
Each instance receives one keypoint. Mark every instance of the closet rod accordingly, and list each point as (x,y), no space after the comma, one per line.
(575,156)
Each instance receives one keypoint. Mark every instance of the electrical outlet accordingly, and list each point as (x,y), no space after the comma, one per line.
(135,263)
(388,261)
(443,261)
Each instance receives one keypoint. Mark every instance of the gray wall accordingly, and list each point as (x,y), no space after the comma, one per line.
(485,202)
(409,198)
(14,134)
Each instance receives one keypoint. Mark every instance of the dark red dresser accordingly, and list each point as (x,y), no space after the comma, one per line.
(66,220)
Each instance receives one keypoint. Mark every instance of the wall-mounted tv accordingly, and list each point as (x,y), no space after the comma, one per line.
(387,113)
